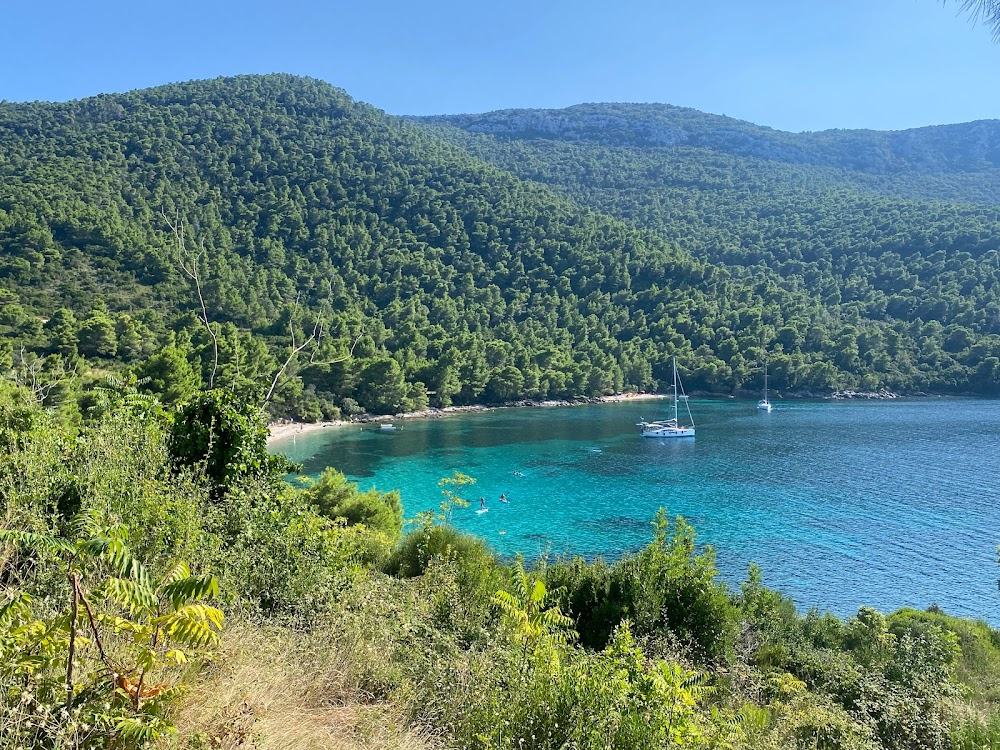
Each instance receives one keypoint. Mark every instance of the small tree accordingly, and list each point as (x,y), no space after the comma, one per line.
(97,336)
(226,434)
(335,497)
(450,489)
(119,627)
(382,388)
(535,625)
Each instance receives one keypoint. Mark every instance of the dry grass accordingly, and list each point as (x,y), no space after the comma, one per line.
(275,688)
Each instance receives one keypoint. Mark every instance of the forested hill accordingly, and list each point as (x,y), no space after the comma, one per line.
(430,273)
(910,245)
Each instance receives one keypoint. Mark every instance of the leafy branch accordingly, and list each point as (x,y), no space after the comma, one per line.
(38,376)
(524,609)
(163,618)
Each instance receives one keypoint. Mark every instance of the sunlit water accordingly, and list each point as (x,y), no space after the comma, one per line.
(890,504)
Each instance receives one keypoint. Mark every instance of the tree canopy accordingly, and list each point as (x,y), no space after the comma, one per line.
(268,230)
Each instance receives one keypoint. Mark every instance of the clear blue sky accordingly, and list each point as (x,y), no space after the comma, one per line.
(790,64)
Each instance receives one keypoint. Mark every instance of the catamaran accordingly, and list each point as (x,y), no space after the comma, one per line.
(671,428)
(764,404)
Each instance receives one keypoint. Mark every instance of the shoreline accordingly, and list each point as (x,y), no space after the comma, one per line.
(279,432)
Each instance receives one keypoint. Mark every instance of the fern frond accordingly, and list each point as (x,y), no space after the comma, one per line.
(36,542)
(511,607)
(190,589)
(176,572)
(18,607)
(193,624)
(538,593)
(85,524)
(125,565)
(138,731)
(505,600)
(131,594)
(122,625)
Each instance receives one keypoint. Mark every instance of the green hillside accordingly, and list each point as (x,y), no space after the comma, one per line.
(432,275)
(904,244)
(267,240)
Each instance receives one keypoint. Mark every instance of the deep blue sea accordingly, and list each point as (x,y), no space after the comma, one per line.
(882,503)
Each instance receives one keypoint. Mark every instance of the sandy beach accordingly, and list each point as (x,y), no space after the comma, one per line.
(281,431)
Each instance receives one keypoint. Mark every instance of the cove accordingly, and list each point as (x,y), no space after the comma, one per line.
(842,503)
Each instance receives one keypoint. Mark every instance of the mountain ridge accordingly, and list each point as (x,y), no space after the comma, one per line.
(666,125)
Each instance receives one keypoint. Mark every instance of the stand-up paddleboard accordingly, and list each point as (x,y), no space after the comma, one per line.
(482,510)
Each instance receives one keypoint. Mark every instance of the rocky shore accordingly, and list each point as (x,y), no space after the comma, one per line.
(838,395)
(434,413)
(284,430)
(865,395)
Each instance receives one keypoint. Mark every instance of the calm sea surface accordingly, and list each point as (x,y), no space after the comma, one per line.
(890,503)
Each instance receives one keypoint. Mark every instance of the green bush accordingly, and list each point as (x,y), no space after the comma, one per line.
(226,436)
(570,698)
(85,673)
(335,497)
(669,586)
(418,548)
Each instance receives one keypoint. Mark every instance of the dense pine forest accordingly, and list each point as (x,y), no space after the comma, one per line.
(898,228)
(200,234)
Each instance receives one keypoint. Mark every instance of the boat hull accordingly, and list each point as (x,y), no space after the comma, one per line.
(676,432)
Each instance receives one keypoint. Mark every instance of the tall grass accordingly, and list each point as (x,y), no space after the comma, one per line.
(273,688)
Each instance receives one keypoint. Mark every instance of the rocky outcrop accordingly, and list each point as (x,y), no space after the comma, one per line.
(884,395)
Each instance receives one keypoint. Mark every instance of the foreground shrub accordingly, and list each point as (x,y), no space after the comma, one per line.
(335,497)
(418,548)
(224,435)
(83,674)
(570,698)
(275,554)
(668,587)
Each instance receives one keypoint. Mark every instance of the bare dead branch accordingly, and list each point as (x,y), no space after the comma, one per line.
(188,260)
(314,339)
(30,373)
(337,360)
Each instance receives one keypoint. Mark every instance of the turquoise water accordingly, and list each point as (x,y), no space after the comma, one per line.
(889,504)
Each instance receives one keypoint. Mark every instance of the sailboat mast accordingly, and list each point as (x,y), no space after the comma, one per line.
(765,381)
(675,392)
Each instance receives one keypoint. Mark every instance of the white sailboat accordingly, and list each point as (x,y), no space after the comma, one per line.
(764,404)
(671,428)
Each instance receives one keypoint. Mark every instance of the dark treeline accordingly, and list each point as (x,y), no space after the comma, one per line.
(416,273)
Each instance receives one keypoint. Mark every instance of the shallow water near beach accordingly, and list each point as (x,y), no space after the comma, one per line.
(884,503)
